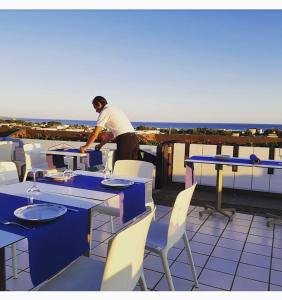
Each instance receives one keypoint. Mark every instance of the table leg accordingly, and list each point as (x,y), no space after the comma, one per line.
(90,225)
(218,209)
(219,186)
(75,163)
(273,219)
(2,270)
(189,176)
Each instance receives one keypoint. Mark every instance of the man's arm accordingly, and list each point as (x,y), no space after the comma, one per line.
(92,138)
(105,139)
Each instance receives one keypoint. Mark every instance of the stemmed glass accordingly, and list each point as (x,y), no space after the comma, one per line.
(106,170)
(34,190)
(68,173)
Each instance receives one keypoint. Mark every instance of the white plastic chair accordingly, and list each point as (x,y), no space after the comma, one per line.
(121,271)
(9,175)
(162,237)
(6,151)
(128,168)
(35,159)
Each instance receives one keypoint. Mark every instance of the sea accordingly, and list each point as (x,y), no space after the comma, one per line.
(176,125)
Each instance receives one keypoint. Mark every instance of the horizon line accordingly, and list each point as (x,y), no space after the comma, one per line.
(177,122)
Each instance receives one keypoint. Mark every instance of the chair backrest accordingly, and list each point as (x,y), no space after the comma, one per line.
(6,151)
(124,263)
(177,222)
(8,173)
(134,168)
(33,156)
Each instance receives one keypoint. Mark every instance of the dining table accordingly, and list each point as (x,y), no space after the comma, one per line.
(84,192)
(94,157)
(219,161)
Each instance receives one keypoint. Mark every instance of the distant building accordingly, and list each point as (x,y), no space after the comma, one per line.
(62,127)
(272,135)
(235,133)
(252,130)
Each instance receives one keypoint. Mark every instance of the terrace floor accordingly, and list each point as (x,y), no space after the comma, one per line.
(241,255)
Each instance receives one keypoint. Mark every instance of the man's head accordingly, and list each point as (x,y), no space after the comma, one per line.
(99,102)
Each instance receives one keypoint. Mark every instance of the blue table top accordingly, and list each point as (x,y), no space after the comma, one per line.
(234,161)
(132,198)
(95,157)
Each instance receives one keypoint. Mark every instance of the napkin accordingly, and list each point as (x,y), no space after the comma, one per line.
(254,159)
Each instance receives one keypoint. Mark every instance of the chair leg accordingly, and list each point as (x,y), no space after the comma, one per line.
(25,176)
(142,282)
(190,257)
(14,260)
(112,224)
(167,271)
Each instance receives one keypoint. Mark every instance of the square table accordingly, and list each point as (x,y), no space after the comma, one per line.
(76,197)
(74,154)
(130,199)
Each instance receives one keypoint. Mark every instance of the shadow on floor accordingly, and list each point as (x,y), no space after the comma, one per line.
(243,201)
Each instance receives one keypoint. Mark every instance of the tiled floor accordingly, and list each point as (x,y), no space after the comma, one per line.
(240,255)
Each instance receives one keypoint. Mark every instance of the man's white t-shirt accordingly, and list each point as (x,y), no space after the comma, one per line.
(115,120)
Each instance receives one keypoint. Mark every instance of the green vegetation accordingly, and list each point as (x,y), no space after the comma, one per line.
(142,127)
(54,124)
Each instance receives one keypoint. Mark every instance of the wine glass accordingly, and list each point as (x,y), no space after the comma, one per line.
(68,173)
(34,190)
(105,157)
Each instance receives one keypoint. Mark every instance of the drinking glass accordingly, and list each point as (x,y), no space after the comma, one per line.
(34,190)
(68,173)
(105,157)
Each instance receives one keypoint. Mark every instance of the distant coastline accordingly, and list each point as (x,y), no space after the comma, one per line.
(176,125)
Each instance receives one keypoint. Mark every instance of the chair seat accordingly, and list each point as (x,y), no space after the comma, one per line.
(112,208)
(157,236)
(85,274)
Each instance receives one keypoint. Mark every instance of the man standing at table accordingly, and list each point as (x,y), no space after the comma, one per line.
(115,120)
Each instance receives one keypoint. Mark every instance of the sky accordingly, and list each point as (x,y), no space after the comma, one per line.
(157,65)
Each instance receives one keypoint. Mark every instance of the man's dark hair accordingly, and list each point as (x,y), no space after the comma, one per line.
(99,99)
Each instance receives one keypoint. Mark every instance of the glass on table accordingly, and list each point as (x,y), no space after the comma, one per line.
(105,158)
(68,173)
(33,191)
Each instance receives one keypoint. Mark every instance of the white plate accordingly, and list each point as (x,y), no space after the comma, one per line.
(222,156)
(115,182)
(40,212)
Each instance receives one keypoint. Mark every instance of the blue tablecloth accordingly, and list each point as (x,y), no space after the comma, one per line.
(52,245)
(132,199)
(94,156)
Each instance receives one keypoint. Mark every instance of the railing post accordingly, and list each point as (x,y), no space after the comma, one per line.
(164,164)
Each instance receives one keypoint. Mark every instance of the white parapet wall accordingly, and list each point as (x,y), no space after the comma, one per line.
(245,178)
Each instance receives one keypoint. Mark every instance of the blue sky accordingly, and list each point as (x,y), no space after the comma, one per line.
(175,65)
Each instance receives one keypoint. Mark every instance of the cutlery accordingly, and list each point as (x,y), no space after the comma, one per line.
(72,209)
(4,222)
